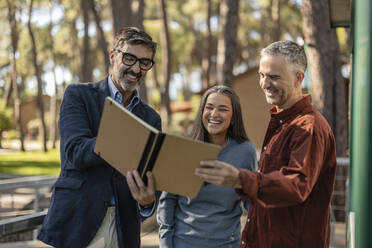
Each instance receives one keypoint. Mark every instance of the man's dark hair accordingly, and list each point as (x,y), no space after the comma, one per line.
(236,129)
(133,35)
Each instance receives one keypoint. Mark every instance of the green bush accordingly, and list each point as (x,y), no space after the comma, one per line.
(12,134)
(5,122)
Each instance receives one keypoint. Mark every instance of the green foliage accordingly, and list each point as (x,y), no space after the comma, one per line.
(12,134)
(343,41)
(183,46)
(4,46)
(5,121)
(31,163)
(291,20)
(154,28)
(187,21)
(249,38)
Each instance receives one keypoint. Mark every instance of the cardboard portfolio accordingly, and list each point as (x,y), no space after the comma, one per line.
(128,143)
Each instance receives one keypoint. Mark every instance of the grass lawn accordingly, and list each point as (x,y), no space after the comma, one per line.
(31,163)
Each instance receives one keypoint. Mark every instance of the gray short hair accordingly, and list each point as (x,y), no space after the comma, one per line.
(292,53)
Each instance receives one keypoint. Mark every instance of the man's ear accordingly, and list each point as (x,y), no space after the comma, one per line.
(111,57)
(299,78)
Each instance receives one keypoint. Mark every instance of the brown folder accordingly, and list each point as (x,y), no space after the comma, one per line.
(128,143)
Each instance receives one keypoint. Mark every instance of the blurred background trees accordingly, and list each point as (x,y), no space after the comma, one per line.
(5,123)
(48,44)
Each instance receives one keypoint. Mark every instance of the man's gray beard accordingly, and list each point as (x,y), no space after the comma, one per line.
(131,87)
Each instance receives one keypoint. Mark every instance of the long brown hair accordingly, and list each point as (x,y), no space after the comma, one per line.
(236,129)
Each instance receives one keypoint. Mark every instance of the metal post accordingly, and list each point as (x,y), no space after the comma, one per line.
(361,126)
(12,198)
(36,208)
(36,200)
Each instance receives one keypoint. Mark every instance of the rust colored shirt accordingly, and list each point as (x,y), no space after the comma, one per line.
(290,194)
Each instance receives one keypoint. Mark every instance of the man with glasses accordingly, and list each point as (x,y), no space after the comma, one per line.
(92,204)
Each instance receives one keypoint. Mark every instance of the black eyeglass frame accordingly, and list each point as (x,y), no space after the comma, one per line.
(141,63)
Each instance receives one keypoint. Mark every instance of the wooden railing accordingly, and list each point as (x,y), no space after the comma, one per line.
(341,191)
(30,221)
(21,223)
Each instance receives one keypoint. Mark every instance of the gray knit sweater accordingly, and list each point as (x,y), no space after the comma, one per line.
(212,219)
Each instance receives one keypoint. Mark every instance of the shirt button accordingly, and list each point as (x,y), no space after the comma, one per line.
(258,171)
(281,121)
(248,220)
(265,148)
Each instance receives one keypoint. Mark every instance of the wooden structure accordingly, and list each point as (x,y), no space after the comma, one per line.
(255,109)
(339,12)
(30,112)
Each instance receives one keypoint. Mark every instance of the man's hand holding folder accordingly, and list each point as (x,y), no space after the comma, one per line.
(143,194)
(172,159)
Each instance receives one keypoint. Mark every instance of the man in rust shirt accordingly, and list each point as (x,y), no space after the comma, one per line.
(290,194)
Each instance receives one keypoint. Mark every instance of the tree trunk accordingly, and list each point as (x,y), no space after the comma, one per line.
(8,92)
(206,62)
(77,60)
(138,9)
(227,44)
(122,14)
(39,81)
(101,36)
(166,61)
(17,101)
(327,85)
(340,103)
(186,92)
(275,17)
(53,115)
(265,19)
(53,100)
(156,80)
(270,22)
(86,67)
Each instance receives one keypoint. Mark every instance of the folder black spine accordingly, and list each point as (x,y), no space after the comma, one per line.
(146,153)
(150,153)
(155,153)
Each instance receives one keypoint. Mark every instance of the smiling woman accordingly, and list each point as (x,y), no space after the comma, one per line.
(216,117)
(212,218)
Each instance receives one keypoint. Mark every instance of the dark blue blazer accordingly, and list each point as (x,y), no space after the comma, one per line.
(87,183)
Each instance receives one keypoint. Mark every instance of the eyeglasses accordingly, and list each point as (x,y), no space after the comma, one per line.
(130,59)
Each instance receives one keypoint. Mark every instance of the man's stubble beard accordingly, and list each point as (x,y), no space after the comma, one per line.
(129,86)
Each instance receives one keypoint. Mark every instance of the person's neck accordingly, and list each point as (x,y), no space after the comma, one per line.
(290,103)
(126,97)
(220,140)
(125,94)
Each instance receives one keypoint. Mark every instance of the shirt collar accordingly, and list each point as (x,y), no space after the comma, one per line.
(298,107)
(112,87)
(117,96)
